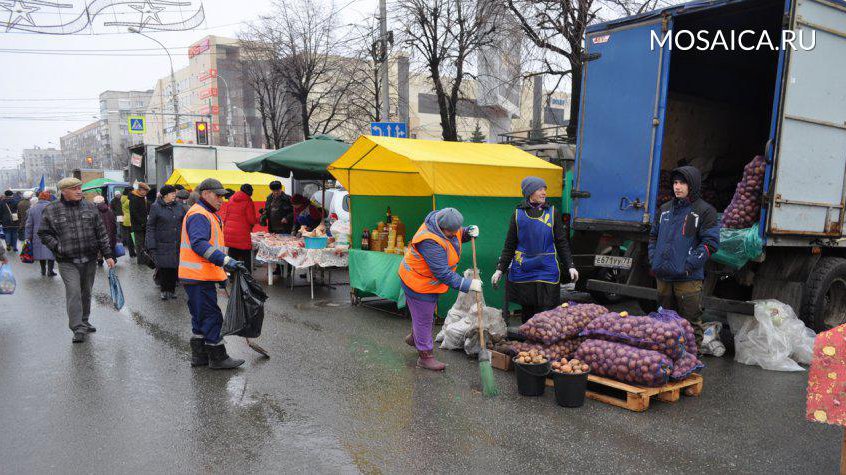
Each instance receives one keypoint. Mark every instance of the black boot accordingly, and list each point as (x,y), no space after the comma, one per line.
(218,359)
(199,357)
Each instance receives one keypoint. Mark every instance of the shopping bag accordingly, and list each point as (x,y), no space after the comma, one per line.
(26,253)
(7,280)
(115,289)
(120,251)
(245,312)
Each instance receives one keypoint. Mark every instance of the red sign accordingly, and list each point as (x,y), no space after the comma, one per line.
(214,110)
(215,127)
(198,48)
(210,74)
(210,92)
(136,160)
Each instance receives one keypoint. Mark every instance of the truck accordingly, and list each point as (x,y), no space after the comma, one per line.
(169,157)
(660,89)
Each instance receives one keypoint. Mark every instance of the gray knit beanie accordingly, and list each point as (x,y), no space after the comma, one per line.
(449,219)
(531,184)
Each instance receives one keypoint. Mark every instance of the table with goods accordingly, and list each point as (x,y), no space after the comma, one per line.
(309,250)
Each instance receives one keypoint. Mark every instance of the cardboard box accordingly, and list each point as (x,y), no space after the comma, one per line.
(501,361)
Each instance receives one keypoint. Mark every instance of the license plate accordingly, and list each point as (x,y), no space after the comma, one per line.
(613,262)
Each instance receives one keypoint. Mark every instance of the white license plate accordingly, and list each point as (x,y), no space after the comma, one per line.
(613,262)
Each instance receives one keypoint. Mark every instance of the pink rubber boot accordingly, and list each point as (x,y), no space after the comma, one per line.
(427,360)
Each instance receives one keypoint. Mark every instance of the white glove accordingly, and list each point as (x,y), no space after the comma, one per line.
(495,279)
(476,285)
(473,231)
(574,274)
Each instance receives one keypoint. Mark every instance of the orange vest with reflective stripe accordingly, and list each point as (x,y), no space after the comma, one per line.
(192,265)
(415,272)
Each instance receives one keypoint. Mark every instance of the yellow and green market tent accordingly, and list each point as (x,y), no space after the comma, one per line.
(413,177)
(190,178)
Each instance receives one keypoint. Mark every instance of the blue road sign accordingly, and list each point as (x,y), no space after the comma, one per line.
(137,124)
(389,129)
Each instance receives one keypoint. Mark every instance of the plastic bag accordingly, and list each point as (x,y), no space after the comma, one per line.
(7,280)
(341,230)
(649,333)
(772,337)
(115,289)
(689,335)
(120,251)
(739,246)
(26,253)
(455,334)
(245,311)
(560,323)
(625,363)
(745,206)
(711,344)
(684,366)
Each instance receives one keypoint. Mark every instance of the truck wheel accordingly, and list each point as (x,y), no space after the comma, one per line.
(824,298)
(605,298)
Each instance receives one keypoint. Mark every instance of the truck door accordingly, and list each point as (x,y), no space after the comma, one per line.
(621,120)
(810,152)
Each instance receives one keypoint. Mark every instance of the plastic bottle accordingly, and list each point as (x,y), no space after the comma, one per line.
(365,240)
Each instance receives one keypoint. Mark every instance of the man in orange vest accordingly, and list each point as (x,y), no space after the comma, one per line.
(429,270)
(202,265)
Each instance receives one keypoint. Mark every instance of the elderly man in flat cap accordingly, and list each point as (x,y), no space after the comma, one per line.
(73,230)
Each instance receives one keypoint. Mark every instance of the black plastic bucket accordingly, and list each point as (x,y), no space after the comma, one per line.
(531,378)
(570,388)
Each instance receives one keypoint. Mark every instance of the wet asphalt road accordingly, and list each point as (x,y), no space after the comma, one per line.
(341,394)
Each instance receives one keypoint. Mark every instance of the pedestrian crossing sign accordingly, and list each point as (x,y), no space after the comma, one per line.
(137,125)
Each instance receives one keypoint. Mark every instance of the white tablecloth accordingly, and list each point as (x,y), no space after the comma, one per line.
(299,256)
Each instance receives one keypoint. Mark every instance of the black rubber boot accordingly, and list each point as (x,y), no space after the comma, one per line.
(199,357)
(218,359)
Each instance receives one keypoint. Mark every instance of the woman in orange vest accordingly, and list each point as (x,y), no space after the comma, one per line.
(429,270)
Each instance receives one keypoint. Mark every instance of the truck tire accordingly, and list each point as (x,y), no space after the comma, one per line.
(824,297)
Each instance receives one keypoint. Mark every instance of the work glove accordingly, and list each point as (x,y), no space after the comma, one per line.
(473,231)
(233,265)
(496,278)
(574,274)
(476,285)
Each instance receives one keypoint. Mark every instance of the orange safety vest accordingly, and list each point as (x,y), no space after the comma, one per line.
(193,266)
(415,272)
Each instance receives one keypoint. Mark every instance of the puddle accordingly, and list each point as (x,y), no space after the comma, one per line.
(289,319)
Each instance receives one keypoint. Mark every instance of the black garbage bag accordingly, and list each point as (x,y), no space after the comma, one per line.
(245,312)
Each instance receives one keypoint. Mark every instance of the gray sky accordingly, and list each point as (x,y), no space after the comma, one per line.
(44,95)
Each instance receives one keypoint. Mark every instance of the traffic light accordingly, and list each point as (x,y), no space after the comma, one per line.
(89,160)
(202,129)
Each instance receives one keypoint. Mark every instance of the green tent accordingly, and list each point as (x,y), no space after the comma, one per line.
(97,183)
(307,160)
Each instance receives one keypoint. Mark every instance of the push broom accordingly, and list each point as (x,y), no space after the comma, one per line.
(485,370)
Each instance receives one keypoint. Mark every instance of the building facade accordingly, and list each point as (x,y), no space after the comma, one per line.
(10,178)
(115,109)
(87,147)
(211,89)
(46,162)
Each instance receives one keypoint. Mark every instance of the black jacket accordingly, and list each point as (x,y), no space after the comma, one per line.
(562,246)
(74,231)
(138,210)
(275,210)
(164,230)
(7,207)
(115,204)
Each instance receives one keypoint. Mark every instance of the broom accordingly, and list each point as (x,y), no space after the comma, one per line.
(485,370)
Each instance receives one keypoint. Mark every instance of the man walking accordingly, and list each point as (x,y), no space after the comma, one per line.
(683,237)
(139,208)
(72,229)
(201,268)
(9,220)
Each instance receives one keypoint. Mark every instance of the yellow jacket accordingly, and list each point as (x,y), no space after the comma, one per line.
(124,205)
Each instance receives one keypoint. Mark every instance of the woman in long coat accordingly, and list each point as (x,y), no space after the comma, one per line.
(164,228)
(33,223)
(536,255)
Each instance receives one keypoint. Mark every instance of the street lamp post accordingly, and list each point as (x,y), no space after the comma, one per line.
(228,110)
(174,95)
(248,141)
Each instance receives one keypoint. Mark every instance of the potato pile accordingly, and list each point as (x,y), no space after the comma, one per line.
(573,366)
(687,329)
(686,365)
(531,357)
(745,206)
(560,323)
(625,363)
(648,333)
(556,351)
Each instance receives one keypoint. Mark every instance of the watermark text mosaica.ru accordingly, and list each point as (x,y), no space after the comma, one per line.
(732,40)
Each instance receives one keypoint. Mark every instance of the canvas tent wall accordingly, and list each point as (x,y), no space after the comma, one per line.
(233,179)
(414,177)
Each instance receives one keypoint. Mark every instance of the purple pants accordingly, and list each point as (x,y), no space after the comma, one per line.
(422,321)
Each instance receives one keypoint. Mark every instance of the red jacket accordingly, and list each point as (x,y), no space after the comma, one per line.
(239,217)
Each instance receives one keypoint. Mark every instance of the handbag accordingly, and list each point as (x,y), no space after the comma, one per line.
(26,253)
(120,251)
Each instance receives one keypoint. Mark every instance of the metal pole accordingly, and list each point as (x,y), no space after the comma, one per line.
(228,111)
(383,68)
(174,94)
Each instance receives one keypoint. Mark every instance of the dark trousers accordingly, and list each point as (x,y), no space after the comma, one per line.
(139,246)
(167,279)
(126,237)
(242,255)
(206,317)
(46,265)
(686,299)
(11,237)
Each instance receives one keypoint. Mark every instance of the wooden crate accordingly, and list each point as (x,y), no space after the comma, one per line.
(501,361)
(637,398)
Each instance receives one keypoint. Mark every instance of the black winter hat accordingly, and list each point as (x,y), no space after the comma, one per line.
(247,188)
(167,189)
(275,185)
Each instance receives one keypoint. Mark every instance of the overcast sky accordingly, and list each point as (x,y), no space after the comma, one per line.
(46,94)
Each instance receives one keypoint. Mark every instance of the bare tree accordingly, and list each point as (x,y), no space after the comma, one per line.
(444,35)
(365,56)
(558,27)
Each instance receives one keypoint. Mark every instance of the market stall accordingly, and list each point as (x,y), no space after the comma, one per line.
(232,179)
(413,177)
(295,252)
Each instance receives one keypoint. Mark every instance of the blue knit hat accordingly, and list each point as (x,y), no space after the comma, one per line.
(449,219)
(531,184)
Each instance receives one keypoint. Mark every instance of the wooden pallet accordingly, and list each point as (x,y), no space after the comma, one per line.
(637,398)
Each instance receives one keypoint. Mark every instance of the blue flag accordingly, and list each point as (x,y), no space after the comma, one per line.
(40,186)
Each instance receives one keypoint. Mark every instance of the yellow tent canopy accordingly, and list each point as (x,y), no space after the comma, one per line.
(384,166)
(190,178)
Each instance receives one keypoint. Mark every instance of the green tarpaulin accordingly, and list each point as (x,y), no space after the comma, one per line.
(96,183)
(307,160)
(375,273)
